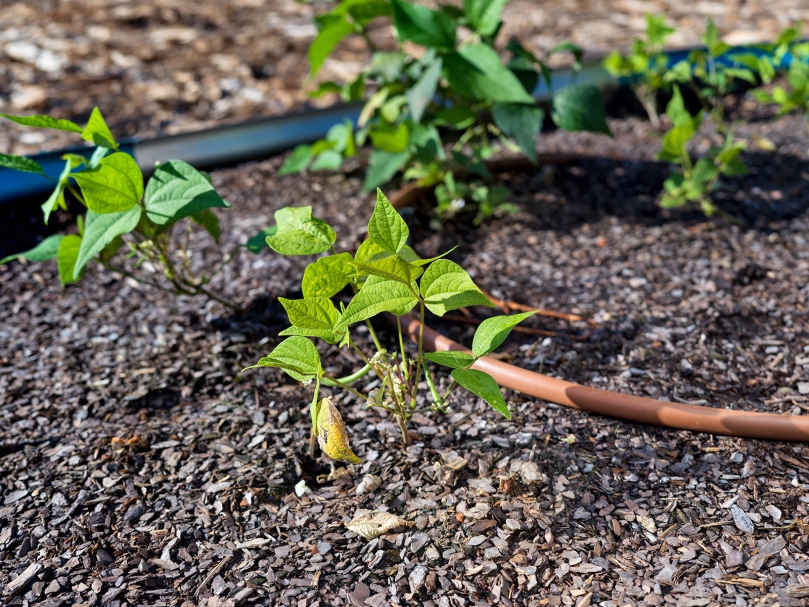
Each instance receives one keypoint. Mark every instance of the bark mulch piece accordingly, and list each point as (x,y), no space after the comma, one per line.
(139,467)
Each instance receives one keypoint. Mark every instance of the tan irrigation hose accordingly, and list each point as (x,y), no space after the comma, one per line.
(747,424)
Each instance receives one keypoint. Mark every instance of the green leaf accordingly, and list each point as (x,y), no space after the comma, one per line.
(324,89)
(310,313)
(446,286)
(493,331)
(679,72)
(297,161)
(297,356)
(484,15)
(675,110)
(116,185)
(382,167)
(483,385)
(209,221)
(390,139)
(376,296)
(46,250)
(476,72)
(386,227)
(20,163)
(425,143)
(259,241)
(342,136)
(329,160)
(423,26)
(387,65)
(66,257)
(327,276)
(370,251)
(100,230)
(673,145)
(422,93)
(391,267)
(57,197)
(580,107)
(328,38)
(522,123)
(178,190)
(453,360)
(457,117)
(327,335)
(45,122)
(98,132)
(299,233)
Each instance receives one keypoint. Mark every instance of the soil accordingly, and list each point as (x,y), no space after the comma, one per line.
(140,467)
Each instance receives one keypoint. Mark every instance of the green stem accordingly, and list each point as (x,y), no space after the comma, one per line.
(402,349)
(420,352)
(350,379)
(439,402)
(340,384)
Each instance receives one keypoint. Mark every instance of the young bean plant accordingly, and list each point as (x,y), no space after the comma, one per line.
(385,276)
(794,96)
(437,117)
(646,65)
(122,213)
(692,182)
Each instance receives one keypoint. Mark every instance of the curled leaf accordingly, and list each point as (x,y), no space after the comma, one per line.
(374,524)
(331,433)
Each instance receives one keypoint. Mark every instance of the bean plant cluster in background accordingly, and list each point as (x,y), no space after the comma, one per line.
(708,75)
(385,276)
(438,117)
(122,214)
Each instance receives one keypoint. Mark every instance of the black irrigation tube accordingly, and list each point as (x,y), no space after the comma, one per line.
(223,145)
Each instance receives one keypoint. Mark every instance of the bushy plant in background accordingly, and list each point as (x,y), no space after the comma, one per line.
(438,117)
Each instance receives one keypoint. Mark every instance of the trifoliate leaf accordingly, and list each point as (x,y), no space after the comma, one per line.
(493,331)
(446,286)
(327,276)
(483,385)
(386,227)
(453,360)
(299,233)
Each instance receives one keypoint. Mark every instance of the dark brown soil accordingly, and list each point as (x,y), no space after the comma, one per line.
(140,467)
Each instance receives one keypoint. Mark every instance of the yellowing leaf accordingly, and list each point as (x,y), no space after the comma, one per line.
(374,524)
(331,433)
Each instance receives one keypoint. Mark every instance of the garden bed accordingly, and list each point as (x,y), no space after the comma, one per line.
(141,468)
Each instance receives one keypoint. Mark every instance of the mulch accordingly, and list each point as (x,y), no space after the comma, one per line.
(140,467)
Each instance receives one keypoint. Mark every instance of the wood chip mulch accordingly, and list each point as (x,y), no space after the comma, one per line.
(139,467)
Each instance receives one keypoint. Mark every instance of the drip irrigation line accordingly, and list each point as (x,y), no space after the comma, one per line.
(746,424)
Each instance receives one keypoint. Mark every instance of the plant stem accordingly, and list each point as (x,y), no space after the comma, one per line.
(402,349)
(312,444)
(420,352)
(340,384)
(403,428)
(348,379)
(373,335)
